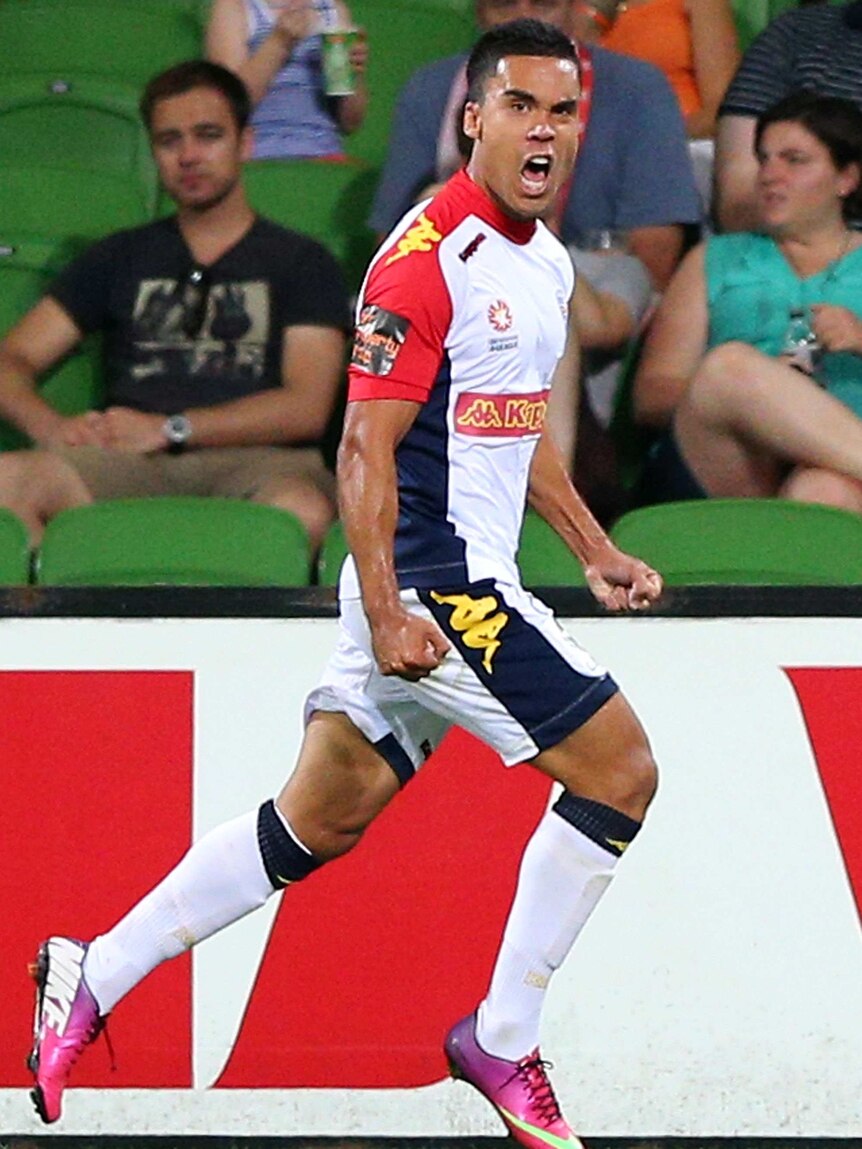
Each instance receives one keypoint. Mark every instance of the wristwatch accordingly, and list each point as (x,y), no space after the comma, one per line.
(177,429)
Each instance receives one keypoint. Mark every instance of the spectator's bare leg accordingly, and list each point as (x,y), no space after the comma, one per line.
(36,485)
(303,498)
(814,485)
(746,417)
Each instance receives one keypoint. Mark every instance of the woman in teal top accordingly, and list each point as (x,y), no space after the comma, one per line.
(750,412)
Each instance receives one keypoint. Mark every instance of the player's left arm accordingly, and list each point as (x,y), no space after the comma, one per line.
(617,580)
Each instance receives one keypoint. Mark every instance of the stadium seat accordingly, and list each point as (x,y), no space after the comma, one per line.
(27,264)
(754,542)
(84,122)
(68,203)
(331,556)
(328,201)
(129,40)
(174,541)
(544,558)
(403,36)
(14,550)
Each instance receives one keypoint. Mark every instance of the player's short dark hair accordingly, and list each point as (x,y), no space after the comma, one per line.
(834,121)
(515,38)
(191,74)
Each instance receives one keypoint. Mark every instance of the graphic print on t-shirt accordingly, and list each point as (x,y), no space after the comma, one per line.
(193,328)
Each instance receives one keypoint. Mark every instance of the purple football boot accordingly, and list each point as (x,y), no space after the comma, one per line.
(519,1090)
(67,1021)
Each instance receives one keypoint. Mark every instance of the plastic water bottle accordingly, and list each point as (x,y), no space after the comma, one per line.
(801,348)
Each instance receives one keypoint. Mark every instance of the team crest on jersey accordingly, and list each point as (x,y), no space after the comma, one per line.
(379,337)
(422,236)
(501,416)
(500,315)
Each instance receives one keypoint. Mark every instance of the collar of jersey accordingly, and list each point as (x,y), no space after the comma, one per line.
(469,196)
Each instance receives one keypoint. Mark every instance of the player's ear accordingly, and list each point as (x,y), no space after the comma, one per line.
(472,120)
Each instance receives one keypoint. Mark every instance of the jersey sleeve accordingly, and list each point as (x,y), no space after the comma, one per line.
(403,318)
(83,287)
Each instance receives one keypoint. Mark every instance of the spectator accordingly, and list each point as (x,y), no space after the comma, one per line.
(276,49)
(632,171)
(223,338)
(818,48)
(693,42)
(752,414)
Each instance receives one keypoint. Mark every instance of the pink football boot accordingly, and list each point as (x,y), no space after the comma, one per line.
(519,1090)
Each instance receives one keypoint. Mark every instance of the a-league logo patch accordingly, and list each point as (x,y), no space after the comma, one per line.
(378,339)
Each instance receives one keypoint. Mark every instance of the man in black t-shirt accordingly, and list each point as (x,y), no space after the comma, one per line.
(223,338)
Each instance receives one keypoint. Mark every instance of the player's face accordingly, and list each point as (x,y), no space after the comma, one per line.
(490,13)
(198,148)
(525,133)
(798,184)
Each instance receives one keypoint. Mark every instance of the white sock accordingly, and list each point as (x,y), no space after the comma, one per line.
(562,876)
(219,880)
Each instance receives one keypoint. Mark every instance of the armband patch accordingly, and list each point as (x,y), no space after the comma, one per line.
(379,337)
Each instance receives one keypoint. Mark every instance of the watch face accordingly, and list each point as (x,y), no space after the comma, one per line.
(178,428)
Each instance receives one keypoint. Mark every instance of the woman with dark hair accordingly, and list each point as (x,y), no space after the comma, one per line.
(754,359)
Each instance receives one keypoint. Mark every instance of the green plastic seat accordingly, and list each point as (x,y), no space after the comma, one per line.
(331,555)
(76,204)
(328,201)
(174,541)
(14,550)
(27,265)
(403,35)
(130,40)
(84,121)
(753,542)
(544,558)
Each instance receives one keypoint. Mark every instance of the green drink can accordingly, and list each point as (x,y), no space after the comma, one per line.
(338,76)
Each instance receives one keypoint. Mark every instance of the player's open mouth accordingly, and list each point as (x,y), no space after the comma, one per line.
(535,174)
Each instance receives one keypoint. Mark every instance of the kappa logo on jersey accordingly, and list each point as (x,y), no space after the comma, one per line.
(506,416)
(379,337)
(477,620)
(61,984)
(420,237)
(500,315)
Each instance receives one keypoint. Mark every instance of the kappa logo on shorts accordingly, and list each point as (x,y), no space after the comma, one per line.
(420,237)
(379,337)
(474,619)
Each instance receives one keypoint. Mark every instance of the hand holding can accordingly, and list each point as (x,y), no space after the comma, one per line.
(339,78)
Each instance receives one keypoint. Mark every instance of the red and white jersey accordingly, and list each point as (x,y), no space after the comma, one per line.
(465,311)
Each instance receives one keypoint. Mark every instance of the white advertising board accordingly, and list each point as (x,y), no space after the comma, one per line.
(716,992)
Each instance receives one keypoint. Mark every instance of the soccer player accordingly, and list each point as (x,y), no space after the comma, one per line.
(460,324)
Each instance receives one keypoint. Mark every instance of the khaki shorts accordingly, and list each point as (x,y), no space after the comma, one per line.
(231,472)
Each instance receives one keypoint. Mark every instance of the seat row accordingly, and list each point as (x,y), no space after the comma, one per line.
(227,542)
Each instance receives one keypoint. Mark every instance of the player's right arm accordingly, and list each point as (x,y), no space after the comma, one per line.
(404,644)
(38,341)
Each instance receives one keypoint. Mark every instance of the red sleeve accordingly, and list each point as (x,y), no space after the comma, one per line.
(403,320)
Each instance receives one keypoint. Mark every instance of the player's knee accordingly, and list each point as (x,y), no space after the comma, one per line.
(285,858)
